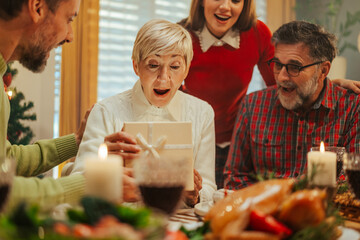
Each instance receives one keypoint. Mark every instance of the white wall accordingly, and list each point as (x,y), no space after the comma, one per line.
(353,57)
(38,88)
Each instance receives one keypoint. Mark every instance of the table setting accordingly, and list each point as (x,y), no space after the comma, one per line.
(332,166)
(308,207)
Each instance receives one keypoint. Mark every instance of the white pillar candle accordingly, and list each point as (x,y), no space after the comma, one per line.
(104,176)
(325,163)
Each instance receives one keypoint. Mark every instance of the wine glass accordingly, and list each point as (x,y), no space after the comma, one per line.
(340,151)
(352,170)
(161,181)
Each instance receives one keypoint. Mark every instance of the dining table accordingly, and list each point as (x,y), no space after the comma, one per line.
(185,216)
(190,220)
(352,225)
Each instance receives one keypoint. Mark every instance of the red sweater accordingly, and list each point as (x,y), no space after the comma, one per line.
(222,74)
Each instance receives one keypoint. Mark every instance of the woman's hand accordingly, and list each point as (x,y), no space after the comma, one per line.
(192,197)
(123,144)
(130,190)
(348,84)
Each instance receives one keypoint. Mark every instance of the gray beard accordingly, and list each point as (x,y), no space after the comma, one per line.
(301,96)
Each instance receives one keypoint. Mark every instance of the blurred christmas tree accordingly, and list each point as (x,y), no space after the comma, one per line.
(9,74)
(17,132)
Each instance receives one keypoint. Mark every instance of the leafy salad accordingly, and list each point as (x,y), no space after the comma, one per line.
(95,219)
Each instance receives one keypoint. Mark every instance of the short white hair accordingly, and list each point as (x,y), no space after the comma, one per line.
(162,37)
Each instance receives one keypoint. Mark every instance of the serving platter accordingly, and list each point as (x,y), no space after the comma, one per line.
(348,233)
(202,208)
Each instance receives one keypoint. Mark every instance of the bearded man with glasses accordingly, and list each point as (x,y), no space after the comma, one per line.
(276,127)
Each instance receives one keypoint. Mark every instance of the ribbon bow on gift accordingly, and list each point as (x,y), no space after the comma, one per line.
(153,149)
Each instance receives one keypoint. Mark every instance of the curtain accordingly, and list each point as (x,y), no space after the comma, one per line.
(279,12)
(79,69)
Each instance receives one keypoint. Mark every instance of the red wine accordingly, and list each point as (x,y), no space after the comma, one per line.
(4,191)
(354,181)
(164,198)
(339,166)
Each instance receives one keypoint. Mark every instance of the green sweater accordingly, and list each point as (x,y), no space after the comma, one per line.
(37,158)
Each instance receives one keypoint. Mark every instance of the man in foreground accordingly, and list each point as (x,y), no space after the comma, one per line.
(29,30)
(276,127)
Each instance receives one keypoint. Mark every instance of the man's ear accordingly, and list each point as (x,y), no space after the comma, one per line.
(135,66)
(36,9)
(325,68)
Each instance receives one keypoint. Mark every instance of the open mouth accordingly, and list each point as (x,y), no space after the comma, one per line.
(288,89)
(222,18)
(161,91)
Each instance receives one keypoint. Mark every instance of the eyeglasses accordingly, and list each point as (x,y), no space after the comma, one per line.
(292,69)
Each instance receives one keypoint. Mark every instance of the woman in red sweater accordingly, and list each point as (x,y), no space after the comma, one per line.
(228,41)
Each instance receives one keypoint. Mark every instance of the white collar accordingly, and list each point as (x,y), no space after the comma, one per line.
(207,40)
(142,107)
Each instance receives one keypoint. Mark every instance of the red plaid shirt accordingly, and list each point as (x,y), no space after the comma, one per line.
(269,138)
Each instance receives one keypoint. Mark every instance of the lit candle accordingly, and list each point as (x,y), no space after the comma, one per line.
(103,152)
(9,93)
(325,163)
(104,175)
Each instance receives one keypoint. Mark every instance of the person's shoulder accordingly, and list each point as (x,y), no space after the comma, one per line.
(260,32)
(268,93)
(195,100)
(123,96)
(348,96)
(262,28)
(116,101)
(340,92)
(261,24)
(351,95)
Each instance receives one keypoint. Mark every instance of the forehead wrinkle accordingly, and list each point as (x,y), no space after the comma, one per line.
(297,53)
(291,61)
(296,62)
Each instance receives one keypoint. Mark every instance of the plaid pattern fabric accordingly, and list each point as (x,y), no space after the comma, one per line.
(220,160)
(269,138)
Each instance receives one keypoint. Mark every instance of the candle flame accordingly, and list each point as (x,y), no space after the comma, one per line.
(322,147)
(103,151)
(9,93)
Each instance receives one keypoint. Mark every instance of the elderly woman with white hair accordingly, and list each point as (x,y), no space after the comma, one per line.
(161,59)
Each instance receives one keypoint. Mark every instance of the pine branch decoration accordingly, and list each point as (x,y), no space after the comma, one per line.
(17,132)
(12,71)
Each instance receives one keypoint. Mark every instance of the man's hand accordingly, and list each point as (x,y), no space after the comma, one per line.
(130,190)
(348,84)
(123,144)
(80,132)
(192,197)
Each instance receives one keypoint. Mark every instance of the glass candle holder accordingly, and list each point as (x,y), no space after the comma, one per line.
(352,170)
(340,151)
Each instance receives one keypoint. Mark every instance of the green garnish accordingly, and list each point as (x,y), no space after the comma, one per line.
(197,234)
